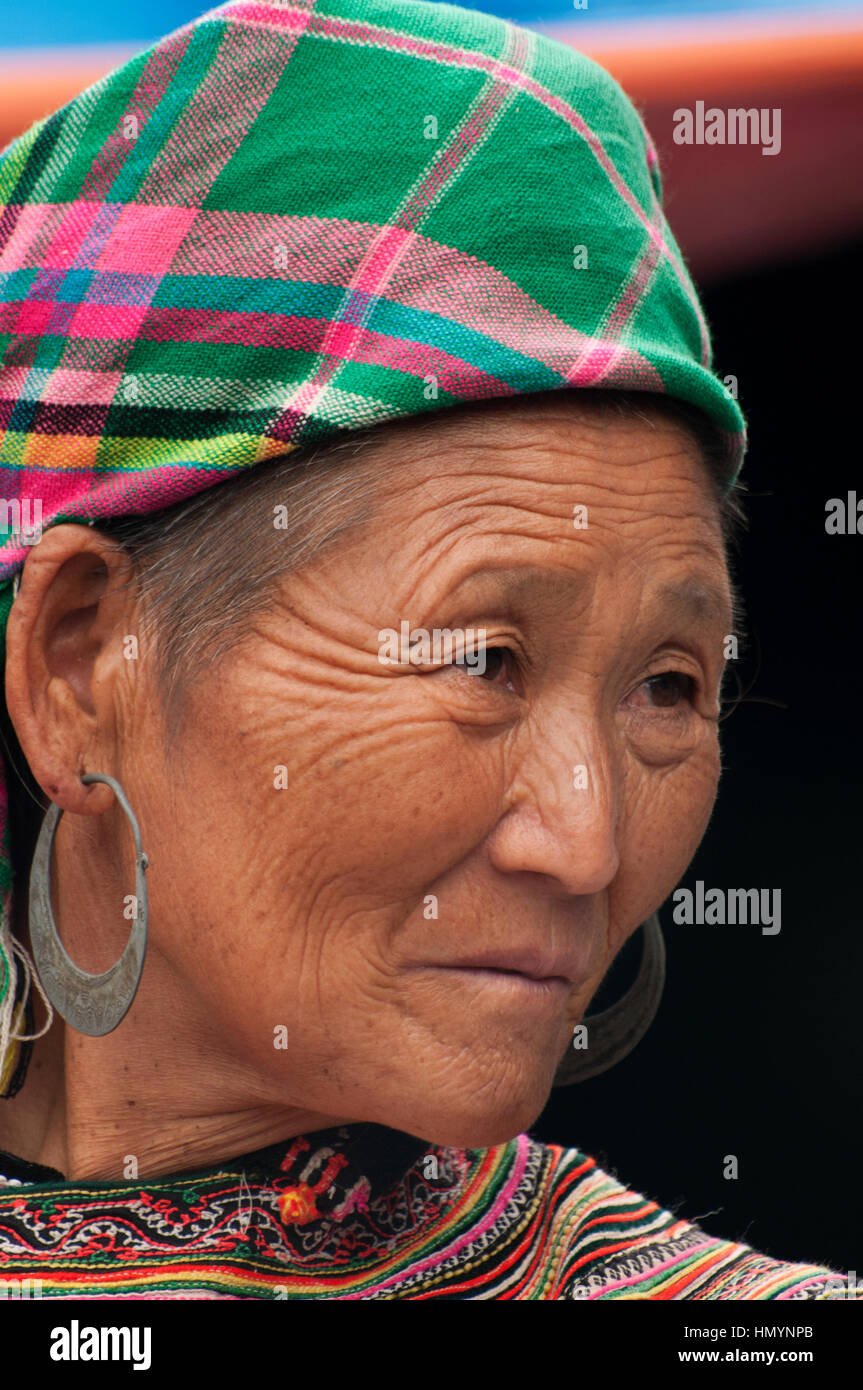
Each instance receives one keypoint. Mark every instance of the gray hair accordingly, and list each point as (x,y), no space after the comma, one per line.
(205,565)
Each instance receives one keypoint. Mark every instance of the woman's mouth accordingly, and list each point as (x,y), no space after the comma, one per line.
(513,979)
(524,963)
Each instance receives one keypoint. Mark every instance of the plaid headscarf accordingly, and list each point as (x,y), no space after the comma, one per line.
(291,219)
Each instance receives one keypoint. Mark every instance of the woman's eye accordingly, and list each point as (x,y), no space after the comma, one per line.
(669,689)
(491,663)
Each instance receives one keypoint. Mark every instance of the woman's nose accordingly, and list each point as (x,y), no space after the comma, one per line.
(564,817)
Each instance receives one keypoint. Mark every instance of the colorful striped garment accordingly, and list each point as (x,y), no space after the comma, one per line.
(364,1212)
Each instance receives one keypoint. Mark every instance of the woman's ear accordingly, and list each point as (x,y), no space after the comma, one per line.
(64,660)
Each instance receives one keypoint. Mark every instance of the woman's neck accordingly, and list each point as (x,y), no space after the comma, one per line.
(156,1096)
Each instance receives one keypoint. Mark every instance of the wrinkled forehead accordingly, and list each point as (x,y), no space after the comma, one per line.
(526,502)
(557,458)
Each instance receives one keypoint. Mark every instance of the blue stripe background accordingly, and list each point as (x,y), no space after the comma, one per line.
(48,23)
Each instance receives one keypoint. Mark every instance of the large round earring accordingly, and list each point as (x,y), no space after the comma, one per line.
(93,1004)
(612,1034)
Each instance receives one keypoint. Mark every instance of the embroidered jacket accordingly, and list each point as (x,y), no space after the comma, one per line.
(365,1212)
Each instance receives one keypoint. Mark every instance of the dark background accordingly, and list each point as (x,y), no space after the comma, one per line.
(756,1048)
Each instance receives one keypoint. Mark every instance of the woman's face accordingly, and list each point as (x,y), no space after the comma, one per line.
(423,872)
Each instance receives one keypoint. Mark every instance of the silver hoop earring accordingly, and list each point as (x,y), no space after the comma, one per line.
(93,1004)
(612,1034)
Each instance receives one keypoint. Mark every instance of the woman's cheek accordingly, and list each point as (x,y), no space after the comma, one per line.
(665,825)
(671,812)
(667,813)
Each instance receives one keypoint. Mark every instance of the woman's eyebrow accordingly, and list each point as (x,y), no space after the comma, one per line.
(699,599)
(512,582)
(691,596)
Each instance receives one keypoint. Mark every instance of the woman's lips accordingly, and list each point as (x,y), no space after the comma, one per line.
(527,964)
(524,972)
(518,976)
(548,989)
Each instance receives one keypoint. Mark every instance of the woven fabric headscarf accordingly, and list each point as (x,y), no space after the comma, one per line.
(289,220)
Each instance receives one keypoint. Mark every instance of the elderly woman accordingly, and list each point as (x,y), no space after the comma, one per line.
(334,790)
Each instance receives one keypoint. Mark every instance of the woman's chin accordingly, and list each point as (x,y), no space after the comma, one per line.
(485,1117)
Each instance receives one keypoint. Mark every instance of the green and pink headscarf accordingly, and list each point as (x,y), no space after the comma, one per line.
(292,219)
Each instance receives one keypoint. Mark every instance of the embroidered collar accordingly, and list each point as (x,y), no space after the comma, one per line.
(331,1171)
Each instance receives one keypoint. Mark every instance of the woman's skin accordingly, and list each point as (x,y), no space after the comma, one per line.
(308,907)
